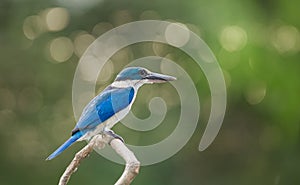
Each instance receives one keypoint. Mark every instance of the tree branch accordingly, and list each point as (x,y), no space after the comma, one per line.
(132,164)
(100,141)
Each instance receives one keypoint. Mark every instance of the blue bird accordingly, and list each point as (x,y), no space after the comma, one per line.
(111,105)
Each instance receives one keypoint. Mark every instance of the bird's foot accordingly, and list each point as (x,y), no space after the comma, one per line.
(113,134)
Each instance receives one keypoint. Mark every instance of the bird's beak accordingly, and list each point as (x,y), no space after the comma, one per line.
(159,78)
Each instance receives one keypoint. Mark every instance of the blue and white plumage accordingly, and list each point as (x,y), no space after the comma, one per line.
(111,105)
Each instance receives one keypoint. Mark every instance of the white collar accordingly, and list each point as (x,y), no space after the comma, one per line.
(128,83)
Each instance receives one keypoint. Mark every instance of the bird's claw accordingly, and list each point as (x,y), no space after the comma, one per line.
(113,134)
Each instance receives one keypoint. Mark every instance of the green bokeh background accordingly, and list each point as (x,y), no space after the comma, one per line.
(257,44)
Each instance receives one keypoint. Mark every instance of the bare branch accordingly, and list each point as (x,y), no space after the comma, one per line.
(132,164)
(99,142)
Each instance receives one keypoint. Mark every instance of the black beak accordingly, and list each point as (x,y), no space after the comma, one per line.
(159,78)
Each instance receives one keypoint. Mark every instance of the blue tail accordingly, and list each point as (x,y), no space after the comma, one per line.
(64,146)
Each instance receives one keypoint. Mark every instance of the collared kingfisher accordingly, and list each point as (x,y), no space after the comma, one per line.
(111,105)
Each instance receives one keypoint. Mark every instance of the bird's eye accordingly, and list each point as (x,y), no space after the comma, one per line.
(143,72)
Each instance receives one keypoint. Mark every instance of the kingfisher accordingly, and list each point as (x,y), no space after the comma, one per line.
(111,105)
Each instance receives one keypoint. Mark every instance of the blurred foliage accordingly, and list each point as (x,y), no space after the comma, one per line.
(257,43)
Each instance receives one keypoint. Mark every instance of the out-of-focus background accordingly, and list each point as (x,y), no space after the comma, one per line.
(257,44)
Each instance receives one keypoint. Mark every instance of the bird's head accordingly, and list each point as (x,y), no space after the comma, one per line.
(140,76)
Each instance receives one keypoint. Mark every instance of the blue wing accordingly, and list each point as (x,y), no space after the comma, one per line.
(102,107)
